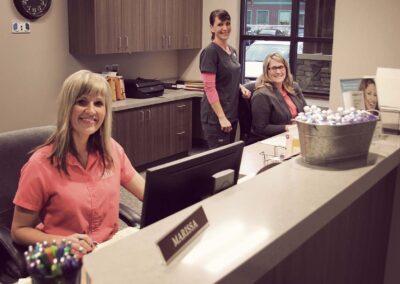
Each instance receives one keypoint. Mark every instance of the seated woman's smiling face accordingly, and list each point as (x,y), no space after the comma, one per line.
(88,114)
(276,71)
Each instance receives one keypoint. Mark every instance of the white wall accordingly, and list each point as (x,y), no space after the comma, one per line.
(366,36)
(189,67)
(33,66)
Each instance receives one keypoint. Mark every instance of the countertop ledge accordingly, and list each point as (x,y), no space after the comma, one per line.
(168,96)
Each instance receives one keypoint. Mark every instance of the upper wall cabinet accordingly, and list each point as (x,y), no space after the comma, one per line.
(125,26)
(191,13)
(161,24)
(105,26)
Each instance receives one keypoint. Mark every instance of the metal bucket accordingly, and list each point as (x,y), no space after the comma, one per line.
(324,144)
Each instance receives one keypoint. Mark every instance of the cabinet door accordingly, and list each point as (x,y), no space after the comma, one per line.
(162,24)
(191,24)
(133,14)
(158,121)
(154,25)
(181,126)
(108,26)
(172,23)
(130,131)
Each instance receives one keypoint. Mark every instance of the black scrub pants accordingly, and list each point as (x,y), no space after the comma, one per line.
(216,137)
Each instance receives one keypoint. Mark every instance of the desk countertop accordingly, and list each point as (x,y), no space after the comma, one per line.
(252,226)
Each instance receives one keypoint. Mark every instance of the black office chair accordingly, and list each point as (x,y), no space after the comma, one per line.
(14,149)
(245,117)
(14,153)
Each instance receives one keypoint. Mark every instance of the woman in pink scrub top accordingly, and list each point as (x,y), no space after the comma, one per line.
(70,187)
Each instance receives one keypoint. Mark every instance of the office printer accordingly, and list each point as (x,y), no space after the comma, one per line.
(140,88)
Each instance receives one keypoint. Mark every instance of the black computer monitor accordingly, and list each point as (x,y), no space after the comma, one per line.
(176,185)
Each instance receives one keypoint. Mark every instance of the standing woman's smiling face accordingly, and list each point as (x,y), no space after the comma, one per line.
(88,114)
(221,29)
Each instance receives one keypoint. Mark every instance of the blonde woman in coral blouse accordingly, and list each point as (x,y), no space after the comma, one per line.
(70,187)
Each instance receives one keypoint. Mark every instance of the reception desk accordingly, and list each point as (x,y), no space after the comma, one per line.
(293,223)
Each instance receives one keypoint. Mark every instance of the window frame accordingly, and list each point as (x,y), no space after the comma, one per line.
(294,39)
(251,15)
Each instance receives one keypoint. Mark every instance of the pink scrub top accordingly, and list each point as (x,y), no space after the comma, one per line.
(86,202)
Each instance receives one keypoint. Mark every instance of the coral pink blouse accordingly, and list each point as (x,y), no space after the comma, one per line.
(87,201)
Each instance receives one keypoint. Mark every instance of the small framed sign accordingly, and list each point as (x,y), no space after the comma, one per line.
(360,93)
(182,234)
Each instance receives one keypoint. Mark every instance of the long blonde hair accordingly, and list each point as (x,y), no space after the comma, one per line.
(265,80)
(80,83)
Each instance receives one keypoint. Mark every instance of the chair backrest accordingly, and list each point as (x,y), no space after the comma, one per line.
(245,114)
(14,153)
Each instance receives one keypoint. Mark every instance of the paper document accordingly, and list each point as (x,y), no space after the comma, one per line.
(285,145)
(279,140)
(387,82)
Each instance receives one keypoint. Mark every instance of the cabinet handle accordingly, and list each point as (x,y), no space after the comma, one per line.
(163,41)
(126,42)
(149,114)
(181,133)
(169,41)
(141,116)
(119,43)
(181,106)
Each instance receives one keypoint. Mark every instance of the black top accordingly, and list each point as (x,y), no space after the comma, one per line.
(214,59)
(270,112)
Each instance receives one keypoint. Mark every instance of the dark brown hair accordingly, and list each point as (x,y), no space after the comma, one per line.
(364,83)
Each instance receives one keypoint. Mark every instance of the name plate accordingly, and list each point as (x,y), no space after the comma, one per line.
(182,234)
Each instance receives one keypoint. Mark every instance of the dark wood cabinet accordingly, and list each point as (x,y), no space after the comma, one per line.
(125,26)
(106,26)
(190,27)
(155,132)
(162,24)
(129,130)
(181,126)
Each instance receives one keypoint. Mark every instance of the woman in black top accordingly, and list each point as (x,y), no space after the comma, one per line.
(220,71)
(277,99)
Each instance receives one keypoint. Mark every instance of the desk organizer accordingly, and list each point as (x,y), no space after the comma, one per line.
(53,263)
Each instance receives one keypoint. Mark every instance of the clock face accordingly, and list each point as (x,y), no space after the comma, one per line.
(32,9)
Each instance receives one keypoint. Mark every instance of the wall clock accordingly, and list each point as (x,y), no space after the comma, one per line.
(32,9)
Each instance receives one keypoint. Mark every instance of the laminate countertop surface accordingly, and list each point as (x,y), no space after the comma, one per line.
(252,227)
(168,96)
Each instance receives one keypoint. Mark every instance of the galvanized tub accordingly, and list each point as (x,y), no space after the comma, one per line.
(324,144)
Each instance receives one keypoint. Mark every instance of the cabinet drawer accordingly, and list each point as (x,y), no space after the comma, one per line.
(181,126)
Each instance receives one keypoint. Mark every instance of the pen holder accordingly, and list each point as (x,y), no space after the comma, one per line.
(74,278)
(55,263)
